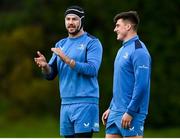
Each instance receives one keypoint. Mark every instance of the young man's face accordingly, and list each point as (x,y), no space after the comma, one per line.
(72,23)
(121,29)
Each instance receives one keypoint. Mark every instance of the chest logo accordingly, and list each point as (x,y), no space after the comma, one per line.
(126,55)
(81,47)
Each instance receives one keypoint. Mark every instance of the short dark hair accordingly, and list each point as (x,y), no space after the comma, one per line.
(131,16)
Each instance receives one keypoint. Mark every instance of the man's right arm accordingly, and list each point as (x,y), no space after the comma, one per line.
(49,70)
(46,69)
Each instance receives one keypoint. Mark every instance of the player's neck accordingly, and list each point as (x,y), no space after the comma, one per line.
(130,35)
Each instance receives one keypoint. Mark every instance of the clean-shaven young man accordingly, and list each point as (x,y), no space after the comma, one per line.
(131,84)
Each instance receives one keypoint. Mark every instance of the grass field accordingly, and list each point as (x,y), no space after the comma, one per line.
(48,127)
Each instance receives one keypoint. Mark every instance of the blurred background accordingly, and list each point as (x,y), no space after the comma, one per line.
(29,105)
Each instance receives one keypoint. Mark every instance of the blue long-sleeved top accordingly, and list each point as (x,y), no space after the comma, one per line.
(131,83)
(78,84)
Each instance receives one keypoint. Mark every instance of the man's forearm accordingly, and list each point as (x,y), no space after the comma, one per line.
(46,69)
(69,61)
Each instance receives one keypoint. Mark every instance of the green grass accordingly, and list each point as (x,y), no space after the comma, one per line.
(152,133)
(30,127)
(162,133)
(48,127)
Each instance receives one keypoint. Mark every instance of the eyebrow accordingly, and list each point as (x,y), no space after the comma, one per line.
(72,17)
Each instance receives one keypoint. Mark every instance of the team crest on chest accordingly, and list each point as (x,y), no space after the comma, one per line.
(81,47)
(126,55)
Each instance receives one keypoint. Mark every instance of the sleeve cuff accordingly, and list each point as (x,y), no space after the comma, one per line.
(49,75)
(130,112)
(77,66)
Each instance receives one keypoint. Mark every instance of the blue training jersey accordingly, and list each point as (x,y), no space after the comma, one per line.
(131,83)
(78,84)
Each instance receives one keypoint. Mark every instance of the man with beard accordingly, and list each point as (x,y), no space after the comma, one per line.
(76,60)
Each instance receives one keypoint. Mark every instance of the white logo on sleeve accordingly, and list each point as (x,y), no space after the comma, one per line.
(143,67)
(126,55)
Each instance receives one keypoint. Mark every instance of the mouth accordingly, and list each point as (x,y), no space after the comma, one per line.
(118,34)
(71,27)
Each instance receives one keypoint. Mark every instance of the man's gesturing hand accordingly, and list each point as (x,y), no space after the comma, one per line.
(40,60)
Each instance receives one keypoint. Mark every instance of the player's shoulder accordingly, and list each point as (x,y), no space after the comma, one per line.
(91,36)
(61,42)
(140,49)
(93,39)
(138,44)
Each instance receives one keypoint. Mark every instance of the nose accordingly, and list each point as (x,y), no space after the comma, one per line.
(70,21)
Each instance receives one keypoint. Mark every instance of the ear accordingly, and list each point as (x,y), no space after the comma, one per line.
(128,27)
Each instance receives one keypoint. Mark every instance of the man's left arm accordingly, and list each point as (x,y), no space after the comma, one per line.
(142,68)
(94,58)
